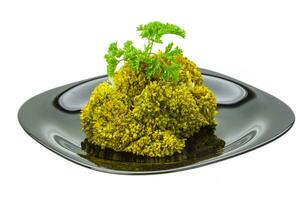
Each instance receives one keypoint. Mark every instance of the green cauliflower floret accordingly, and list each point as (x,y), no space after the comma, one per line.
(157,144)
(107,120)
(189,72)
(175,107)
(130,82)
(148,117)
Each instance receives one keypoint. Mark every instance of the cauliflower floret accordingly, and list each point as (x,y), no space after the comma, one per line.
(189,72)
(174,107)
(130,82)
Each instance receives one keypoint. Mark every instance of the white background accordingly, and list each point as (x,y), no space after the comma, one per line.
(45,44)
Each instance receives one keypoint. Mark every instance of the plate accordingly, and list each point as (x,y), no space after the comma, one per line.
(248,118)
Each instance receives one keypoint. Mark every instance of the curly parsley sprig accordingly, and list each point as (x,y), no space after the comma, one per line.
(161,65)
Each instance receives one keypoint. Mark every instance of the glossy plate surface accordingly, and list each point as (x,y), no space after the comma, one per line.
(248,118)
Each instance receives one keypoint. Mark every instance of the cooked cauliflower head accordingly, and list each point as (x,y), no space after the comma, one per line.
(148,117)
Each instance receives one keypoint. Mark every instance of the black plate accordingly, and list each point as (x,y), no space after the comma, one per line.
(248,118)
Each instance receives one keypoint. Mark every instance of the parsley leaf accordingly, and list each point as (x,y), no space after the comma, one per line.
(161,65)
(155,30)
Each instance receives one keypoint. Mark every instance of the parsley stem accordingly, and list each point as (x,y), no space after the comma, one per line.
(151,46)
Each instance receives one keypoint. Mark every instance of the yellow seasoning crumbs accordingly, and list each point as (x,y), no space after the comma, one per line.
(148,117)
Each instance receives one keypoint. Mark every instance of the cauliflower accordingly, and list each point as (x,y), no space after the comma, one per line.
(149,117)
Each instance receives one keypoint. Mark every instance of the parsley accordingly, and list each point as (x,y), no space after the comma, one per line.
(162,65)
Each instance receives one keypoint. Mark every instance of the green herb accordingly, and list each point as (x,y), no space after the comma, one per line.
(161,65)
